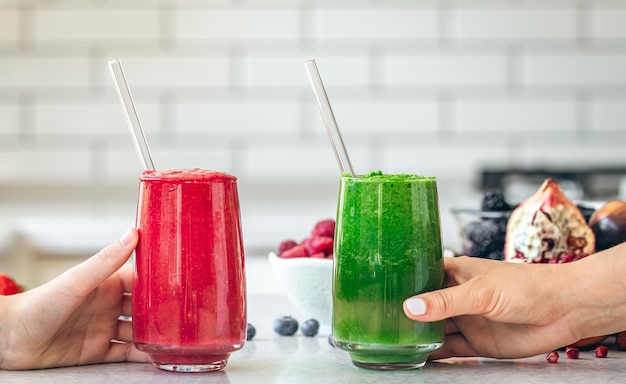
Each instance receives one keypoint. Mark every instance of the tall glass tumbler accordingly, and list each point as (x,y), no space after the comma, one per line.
(189,298)
(387,248)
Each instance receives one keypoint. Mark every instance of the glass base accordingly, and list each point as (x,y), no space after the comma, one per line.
(216,366)
(387,357)
(189,358)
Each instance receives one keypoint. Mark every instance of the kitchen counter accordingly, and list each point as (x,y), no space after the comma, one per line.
(304,360)
(270,358)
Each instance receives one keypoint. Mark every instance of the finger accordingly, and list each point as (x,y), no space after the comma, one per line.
(86,276)
(451,326)
(119,352)
(462,269)
(465,299)
(127,305)
(455,345)
(124,331)
(126,276)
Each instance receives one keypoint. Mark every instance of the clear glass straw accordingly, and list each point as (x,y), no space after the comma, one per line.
(132,118)
(329,118)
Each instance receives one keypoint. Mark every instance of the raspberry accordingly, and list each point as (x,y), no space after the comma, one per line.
(297,251)
(601,351)
(572,352)
(286,245)
(620,341)
(553,357)
(324,228)
(8,286)
(317,244)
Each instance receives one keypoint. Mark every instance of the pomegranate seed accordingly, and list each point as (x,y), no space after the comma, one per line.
(601,351)
(553,357)
(565,257)
(572,352)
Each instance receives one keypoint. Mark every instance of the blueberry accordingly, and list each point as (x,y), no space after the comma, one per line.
(310,327)
(285,325)
(250,332)
(494,201)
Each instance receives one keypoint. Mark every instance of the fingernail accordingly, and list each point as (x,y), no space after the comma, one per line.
(416,306)
(126,237)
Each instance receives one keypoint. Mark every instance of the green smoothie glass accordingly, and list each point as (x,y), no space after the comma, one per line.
(387,249)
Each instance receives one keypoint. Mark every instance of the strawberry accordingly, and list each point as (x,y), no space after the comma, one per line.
(324,228)
(8,286)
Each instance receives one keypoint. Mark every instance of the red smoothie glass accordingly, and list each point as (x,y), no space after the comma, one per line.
(189,297)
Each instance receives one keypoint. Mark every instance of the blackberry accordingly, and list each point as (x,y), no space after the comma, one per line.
(496,255)
(285,325)
(310,327)
(494,201)
(250,332)
(484,238)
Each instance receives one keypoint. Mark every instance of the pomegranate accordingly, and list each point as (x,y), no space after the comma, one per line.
(548,227)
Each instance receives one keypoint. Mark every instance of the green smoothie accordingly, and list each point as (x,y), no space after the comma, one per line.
(387,249)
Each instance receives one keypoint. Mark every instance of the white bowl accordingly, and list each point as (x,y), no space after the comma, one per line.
(308,285)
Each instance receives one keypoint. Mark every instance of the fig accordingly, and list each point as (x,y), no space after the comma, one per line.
(548,228)
(609,224)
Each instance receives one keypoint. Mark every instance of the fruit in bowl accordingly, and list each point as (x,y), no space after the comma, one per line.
(483,230)
(305,270)
(548,228)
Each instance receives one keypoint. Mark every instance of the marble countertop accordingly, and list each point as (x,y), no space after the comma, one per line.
(302,360)
(270,358)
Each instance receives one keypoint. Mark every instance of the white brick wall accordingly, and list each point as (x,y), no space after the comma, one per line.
(438,87)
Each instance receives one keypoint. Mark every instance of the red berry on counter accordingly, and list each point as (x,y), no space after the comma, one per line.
(286,245)
(553,357)
(620,341)
(572,353)
(297,251)
(324,228)
(601,351)
(8,286)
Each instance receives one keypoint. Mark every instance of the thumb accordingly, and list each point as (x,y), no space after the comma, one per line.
(86,276)
(444,303)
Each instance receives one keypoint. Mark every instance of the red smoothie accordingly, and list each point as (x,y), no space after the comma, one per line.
(189,307)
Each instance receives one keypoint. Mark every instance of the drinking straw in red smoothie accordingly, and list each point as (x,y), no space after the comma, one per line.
(189,307)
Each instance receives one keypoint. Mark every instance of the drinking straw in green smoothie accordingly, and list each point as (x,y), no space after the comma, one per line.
(329,118)
(132,118)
